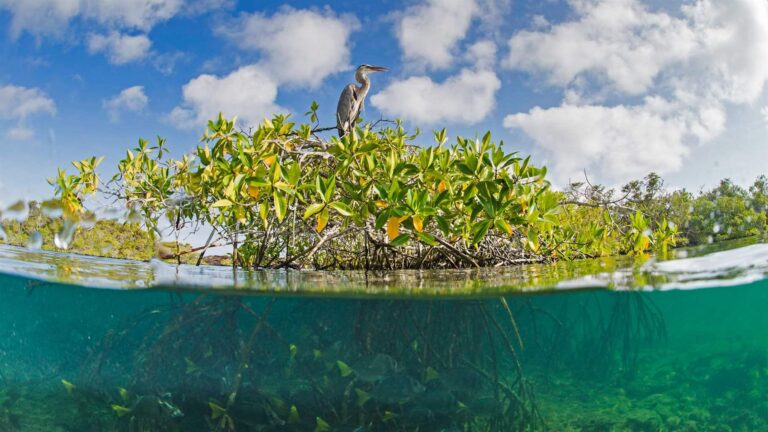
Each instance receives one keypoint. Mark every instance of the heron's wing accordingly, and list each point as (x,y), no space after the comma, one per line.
(347,110)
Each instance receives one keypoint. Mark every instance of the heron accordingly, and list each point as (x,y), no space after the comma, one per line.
(352,99)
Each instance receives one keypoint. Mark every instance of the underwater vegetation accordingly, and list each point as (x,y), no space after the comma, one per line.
(76,359)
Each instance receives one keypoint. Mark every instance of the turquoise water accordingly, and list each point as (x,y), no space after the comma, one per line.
(600,346)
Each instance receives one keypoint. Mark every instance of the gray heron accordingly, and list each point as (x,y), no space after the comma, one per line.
(352,99)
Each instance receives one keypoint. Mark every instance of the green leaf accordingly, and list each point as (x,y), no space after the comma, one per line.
(479,231)
(503,226)
(400,240)
(222,203)
(342,208)
(281,206)
(313,209)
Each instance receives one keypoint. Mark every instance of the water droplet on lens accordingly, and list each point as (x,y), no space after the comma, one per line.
(88,220)
(17,211)
(35,241)
(63,238)
(133,217)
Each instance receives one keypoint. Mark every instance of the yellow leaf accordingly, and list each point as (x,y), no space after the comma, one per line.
(322,220)
(270,160)
(253,191)
(393,226)
(418,223)
(381,204)
(442,186)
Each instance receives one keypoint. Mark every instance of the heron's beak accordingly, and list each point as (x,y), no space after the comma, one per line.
(378,68)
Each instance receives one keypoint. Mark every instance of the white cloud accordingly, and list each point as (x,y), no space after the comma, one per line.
(133,14)
(688,69)
(482,54)
(120,48)
(465,98)
(428,33)
(618,142)
(51,17)
(20,133)
(298,46)
(130,99)
(17,103)
(249,93)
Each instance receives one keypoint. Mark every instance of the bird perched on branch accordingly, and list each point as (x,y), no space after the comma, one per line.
(352,99)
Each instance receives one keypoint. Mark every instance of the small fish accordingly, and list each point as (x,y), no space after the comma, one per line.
(375,368)
(344,368)
(68,386)
(362,397)
(123,393)
(431,374)
(388,415)
(397,389)
(293,415)
(216,410)
(120,410)
(321,425)
(192,368)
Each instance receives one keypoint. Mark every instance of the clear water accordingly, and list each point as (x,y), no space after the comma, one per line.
(598,346)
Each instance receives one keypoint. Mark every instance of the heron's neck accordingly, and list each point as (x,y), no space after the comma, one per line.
(362,78)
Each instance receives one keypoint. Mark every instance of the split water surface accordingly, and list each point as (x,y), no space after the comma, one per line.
(91,344)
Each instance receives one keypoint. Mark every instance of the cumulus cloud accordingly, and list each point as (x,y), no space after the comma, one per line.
(131,99)
(120,48)
(298,46)
(18,103)
(428,33)
(687,69)
(113,19)
(249,93)
(465,98)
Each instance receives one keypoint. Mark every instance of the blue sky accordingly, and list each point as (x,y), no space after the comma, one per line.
(614,87)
